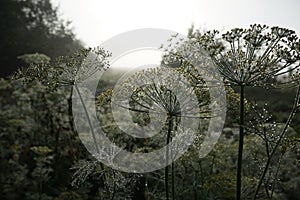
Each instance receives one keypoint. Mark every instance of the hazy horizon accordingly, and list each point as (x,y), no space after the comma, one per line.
(95,21)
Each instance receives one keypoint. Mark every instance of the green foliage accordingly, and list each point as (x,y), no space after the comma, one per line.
(35,59)
(28,165)
(41,155)
(69,196)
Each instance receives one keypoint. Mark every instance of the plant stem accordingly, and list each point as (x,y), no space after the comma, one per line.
(167,157)
(114,187)
(173,182)
(241,144)
(87,117)
(70,113)
(294,110)
(90,124)
(276,175)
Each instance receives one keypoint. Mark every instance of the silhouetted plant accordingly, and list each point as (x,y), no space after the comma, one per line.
(244,57)
(273,140)
(252,57)
(159,98)
(64,74)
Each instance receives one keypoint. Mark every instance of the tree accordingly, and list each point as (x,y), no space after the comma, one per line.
(32,26)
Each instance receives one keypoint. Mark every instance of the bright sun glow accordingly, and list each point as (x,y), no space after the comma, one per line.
(95,21)
(133,59)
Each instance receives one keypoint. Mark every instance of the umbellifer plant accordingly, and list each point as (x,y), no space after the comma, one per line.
(252,57)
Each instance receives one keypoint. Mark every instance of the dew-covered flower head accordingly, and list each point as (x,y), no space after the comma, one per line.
(255,56)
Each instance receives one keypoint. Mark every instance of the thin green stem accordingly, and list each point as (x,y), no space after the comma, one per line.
(87,117)
(114,187)
(173,182)
(71,120)
(202,178)
(275,180)
(89,122)
(170,127)
(241,144)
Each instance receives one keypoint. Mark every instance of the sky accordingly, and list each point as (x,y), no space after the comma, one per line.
(95,21)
